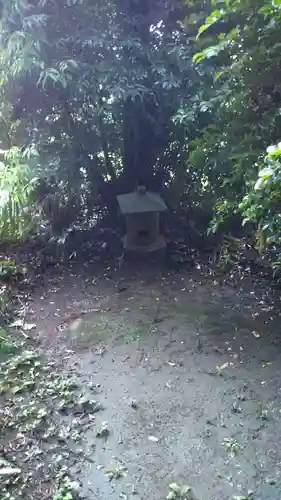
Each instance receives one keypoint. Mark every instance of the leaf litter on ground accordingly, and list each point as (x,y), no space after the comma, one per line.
(33,395)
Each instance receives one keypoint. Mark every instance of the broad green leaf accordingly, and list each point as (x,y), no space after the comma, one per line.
(259,184)
(210,20)
(265,173)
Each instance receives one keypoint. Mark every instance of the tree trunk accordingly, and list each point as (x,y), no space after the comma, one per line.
(139,112)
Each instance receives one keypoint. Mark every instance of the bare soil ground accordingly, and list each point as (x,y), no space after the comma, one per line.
(189,377)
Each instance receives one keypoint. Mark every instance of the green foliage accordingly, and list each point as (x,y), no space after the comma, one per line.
(262,202)
(239,48)
(8,269)
(16,184)
(190,90)
(67,490)
(7,344)
(103,92)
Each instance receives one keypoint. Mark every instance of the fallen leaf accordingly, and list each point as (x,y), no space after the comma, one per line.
(153,439)
(256,335)
(180,492)
(19,323)
(222,367)
(9,471)
(16,324)
(28,326)
(249,496)
(264,364)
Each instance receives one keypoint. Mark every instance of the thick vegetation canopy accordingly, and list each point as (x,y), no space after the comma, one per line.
(184,96)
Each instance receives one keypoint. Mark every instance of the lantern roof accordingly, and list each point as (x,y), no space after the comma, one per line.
(141,202)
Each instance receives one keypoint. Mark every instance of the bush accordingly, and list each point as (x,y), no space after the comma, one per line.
(16,185)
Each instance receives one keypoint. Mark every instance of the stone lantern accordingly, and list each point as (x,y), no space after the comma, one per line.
(142,210)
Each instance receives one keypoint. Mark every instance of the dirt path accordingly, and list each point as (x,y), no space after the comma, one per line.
(189,376)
